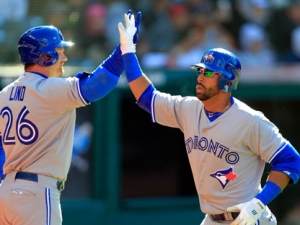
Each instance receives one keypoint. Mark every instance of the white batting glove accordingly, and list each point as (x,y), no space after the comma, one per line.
(250,212)
(126,34)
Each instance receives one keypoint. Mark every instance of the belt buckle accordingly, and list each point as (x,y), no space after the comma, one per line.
(60,185)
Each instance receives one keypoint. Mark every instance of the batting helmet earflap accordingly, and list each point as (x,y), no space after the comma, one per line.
(225,62)
(39,41)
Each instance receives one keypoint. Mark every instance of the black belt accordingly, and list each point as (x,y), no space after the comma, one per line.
(222,217)
(34,177)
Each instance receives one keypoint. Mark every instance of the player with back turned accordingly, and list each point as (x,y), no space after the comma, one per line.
(227,142)
(37,122)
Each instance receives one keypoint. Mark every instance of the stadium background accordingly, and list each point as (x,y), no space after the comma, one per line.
(125,169)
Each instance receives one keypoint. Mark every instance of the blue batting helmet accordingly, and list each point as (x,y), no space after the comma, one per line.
(39,41)
(222,61)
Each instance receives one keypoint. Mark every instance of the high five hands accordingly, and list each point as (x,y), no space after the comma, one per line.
(129,33)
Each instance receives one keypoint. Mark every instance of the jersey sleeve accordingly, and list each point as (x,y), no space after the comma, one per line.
(62,93)
(265,138)
(172,110)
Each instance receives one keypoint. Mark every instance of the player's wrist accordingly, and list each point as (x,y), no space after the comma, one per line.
(268,193)
(132,67)
(128,48)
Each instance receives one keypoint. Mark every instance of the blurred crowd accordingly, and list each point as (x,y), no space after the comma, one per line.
(174,33)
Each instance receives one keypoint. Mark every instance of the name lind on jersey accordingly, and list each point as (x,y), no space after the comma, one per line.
(210,146)
(17,93)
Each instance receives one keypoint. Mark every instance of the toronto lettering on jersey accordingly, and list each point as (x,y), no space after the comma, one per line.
(17,93)
(219,150)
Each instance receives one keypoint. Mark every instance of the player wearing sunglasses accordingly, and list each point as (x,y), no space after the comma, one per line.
(227,142)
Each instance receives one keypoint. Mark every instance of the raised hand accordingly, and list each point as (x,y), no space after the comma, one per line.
(137,25)
(127,33)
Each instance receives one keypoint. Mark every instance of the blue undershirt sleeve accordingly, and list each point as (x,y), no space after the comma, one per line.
(288,162)
(114,62)
(96,85)
(145,100)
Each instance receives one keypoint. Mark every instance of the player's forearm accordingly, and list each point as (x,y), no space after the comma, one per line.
(279,178)
(139,85)
(276,183)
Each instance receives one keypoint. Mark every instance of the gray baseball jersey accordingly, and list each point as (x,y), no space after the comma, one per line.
(227,156)
(37,122)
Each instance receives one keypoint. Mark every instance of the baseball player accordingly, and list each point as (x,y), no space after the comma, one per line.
(227,142)
(37,125)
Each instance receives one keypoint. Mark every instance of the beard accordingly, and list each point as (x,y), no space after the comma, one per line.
(208,93)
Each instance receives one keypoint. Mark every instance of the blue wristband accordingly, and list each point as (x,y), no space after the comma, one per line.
(269,192)
(132,67)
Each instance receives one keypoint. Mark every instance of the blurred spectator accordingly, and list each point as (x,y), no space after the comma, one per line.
(191,31)
(13,15)
(95,26)
(10,13)
(160,32)
(281,27)
(93,34)
(255,48)
(256,11)
(56,13)
(296,42)
(169,23)
(115,14)
(173,32)
(231,18)
(293,216)
(205,33)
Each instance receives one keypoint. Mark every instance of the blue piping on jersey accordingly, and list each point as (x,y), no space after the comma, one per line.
(80,94)
(2,159)
(278,151)
(48,206)
(152,107)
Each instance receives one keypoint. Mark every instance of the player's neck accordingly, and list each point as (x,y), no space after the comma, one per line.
(218,104)
(39,69)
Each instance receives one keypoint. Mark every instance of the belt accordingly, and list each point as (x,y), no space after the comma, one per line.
(35,178)
(229,216)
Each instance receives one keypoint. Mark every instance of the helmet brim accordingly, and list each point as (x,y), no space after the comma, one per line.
(66,44)
(195,66)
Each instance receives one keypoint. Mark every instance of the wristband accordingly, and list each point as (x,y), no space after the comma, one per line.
(269,192)
(132,67)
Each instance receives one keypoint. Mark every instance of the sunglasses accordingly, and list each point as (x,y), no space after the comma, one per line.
(206,72)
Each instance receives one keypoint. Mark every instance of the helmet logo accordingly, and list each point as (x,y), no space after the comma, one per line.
(208,58)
